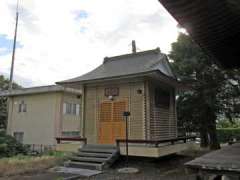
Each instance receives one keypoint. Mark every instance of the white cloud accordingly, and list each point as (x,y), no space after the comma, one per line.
(58,45)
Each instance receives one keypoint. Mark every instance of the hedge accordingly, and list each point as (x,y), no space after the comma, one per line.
(227,134)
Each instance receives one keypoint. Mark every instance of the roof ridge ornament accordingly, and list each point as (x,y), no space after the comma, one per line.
(134,49)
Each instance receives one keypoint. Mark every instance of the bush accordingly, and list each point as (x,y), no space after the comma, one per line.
(227,134)
(9,146)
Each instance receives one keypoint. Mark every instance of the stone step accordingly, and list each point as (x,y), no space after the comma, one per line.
(92,154)
(85,165)
(97,150)
(88,159)
(101,146)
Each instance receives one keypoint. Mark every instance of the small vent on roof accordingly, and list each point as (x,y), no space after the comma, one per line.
(105,59)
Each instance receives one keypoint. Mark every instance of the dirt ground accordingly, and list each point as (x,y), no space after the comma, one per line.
(166,168)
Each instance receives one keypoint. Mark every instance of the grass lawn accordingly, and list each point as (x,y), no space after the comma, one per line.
(24,164)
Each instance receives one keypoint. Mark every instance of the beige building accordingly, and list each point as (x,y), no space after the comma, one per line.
(92,105)
(38,115)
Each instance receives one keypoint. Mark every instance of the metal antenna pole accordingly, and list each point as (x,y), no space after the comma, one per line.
(14,48)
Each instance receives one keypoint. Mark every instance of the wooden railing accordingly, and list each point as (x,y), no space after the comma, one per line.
(155,142)
(79,139)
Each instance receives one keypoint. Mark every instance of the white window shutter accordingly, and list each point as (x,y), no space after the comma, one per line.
(64,108)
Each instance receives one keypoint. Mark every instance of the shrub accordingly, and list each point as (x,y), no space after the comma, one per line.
(227,134)
(9,146)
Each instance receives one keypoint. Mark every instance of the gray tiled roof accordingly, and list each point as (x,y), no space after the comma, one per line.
(39,89)
(128,64)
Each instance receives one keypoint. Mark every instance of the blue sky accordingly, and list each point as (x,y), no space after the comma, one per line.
(6,45)
(58,40)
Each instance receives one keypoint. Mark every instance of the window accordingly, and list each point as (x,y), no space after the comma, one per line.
(22,107)
(70,133)
(18,136)
(162,98)
(78,109)
(71,108)
(74,109)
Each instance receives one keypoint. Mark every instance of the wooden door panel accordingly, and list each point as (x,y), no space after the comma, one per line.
(111,122)
(119,131)
(106,112)
(105,126)
(118,108)
(105,134)
(118,122)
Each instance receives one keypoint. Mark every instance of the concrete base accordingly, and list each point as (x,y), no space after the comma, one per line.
(69,147)
(128,170)
(148,151)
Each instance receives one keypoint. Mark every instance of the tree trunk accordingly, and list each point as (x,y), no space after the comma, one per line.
(204,138)
(214,144)
(212,130)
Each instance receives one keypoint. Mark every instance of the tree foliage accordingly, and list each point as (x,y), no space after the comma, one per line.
(3,101)
(213,91)
(9,146)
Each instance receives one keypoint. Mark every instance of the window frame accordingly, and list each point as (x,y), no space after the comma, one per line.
(19,136)
(22,107)
(162,98)
(71,109)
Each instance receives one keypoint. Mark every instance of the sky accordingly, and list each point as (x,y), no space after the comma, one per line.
(62,39)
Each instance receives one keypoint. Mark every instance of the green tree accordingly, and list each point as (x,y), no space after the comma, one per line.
(3,101)
(212,90)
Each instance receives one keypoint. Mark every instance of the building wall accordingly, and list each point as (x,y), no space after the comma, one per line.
(94,95)
(44,119)
(39,122)
(161,121)
(71,122)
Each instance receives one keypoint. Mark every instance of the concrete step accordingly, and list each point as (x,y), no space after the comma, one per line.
(100,146)
(85,165)
(92,154)
(88,159)
(95,150)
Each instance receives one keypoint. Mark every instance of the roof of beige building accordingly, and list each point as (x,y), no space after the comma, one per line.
(38,90)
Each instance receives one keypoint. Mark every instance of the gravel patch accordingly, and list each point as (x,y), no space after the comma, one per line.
(165,168)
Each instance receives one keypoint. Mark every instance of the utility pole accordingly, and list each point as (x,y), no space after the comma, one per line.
(14,48)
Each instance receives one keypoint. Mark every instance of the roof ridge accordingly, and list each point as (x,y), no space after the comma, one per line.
(36,87)
(107,59)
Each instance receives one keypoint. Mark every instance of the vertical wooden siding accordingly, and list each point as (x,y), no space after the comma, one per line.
(94,95)
(137,109)
(162,121)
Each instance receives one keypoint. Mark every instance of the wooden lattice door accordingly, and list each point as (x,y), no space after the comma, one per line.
(111,122)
